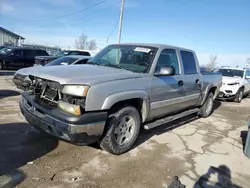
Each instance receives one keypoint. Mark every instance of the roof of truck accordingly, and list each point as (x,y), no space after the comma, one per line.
(155,45)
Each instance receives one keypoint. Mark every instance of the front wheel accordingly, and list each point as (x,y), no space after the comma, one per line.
(207,108)
(121,131)
(239,95)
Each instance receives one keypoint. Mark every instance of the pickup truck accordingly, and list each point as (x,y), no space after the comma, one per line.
(123,88)
(235,83)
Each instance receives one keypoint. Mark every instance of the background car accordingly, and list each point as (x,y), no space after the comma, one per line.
(19,57)
(67,60)
(43,60)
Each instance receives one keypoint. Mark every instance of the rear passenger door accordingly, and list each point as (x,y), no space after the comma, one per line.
(192,79)
(29,56)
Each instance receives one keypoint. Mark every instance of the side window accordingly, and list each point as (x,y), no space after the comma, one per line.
(29,53)
(41,53)
(168,57)
(189,64)
(83,61)
(84,53)
(247,73)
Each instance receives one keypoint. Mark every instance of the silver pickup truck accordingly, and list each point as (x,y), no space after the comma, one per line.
(123,88)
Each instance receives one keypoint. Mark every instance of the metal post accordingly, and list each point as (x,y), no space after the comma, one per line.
(120,24)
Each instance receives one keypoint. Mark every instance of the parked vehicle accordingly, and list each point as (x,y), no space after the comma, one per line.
(121,89)
(43,60)
(18,57)
(236,83)
(67,60)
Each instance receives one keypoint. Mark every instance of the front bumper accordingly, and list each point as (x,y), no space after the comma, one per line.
(84,129)
(228,92)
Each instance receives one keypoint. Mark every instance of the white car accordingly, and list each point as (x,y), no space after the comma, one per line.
(235,83)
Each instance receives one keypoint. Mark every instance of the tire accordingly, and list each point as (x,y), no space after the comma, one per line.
(239,95)
(121,130)
(207,108)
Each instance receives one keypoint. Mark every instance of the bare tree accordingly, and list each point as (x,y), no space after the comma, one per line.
(92,45)
(81,42)
(212,62)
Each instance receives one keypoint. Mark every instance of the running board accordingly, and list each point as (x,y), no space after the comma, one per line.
(170,118)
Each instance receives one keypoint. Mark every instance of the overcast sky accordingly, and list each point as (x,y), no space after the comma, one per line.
(207,26)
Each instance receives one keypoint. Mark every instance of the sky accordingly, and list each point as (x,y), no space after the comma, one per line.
(209,27)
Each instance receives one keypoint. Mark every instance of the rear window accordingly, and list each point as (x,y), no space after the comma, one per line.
(62,61)
(41,53)
(78,53)
(189,64)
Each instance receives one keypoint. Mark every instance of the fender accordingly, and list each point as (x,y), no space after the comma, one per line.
(205,93)
(126,95)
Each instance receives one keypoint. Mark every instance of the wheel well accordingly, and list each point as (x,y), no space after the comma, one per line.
(212,90)
(136,102)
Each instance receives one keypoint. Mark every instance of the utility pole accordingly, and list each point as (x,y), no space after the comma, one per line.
(120,24)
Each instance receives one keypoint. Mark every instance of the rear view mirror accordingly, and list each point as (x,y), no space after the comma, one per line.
(165,71)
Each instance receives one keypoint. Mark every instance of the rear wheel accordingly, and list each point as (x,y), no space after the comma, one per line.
(207,108)
(239,95)
(121,131)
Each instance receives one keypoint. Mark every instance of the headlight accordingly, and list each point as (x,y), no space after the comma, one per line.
(70,108)
(75,90)
(232,84)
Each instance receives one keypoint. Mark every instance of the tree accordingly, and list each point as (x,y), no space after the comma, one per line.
(92,45)
(81,42)
(212,62)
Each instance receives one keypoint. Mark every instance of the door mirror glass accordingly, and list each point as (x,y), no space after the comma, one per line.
(165,71)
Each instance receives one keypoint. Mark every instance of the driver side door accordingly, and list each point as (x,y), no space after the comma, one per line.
(166,91)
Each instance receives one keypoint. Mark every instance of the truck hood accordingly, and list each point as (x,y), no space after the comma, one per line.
(228,80)
(79,74)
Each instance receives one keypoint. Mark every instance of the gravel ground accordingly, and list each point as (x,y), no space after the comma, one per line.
(208,152)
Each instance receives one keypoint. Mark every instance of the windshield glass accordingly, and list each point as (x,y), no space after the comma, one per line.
(62,61)
(5,50)
(231,72)
(130,57)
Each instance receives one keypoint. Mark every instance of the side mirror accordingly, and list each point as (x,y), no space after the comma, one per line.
(165,71)
(247,77)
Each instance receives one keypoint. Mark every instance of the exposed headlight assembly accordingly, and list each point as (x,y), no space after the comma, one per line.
(75,90)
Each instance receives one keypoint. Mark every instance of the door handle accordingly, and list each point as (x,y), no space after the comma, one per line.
(180,83)
(197,81)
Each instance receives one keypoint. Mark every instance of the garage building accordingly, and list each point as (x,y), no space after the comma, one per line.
(9,38)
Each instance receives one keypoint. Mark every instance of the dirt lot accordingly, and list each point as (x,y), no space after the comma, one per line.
(195,150)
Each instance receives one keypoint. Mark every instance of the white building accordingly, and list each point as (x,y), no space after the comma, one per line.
(9,38)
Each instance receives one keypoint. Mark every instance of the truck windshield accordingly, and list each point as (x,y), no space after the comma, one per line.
(130,57)
(231,72)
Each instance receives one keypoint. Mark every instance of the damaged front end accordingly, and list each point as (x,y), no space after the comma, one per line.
(50,94)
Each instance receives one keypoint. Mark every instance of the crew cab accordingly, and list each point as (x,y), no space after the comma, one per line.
(235,83)
(123,88)
(18,57)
